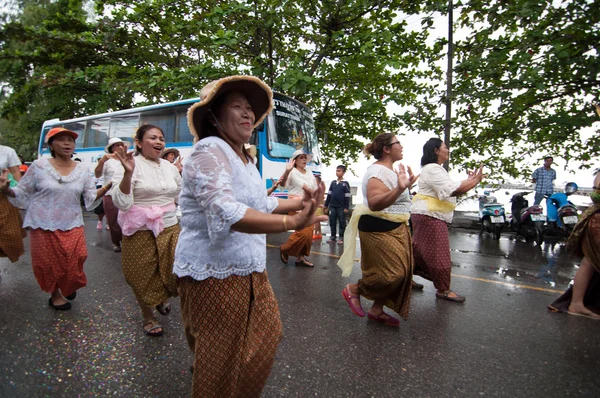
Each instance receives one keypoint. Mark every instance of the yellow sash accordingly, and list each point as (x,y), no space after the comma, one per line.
(346,261)
(434,204)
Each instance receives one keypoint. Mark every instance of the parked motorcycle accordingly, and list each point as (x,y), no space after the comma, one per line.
(562,214)
(527,221)
(491,215)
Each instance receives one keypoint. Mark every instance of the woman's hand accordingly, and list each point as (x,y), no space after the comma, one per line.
(476,174)
(289,165)
(4,184)
(413,178)
(127,161)
(307,216)
(178,164)
(404,178)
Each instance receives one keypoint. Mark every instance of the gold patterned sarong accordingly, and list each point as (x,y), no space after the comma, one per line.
(11,231)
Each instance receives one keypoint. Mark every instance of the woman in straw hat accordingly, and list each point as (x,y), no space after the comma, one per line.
(145,198)
(229,311)
(385,242)
(111,170)
(50,190)
(295,178)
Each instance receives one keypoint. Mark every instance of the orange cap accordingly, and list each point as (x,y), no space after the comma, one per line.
(58,130)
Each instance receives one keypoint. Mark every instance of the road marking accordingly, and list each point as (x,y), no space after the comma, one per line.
(517,285)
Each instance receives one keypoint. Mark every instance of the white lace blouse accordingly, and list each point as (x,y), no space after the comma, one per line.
(52,200)
(218,189)
(390,179)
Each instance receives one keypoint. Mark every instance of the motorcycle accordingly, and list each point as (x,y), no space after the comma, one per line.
(562,214)
(527,221)
(491,215)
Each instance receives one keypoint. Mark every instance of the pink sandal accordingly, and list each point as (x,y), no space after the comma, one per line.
(348,297)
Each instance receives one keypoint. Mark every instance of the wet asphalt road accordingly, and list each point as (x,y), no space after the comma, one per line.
(501,342)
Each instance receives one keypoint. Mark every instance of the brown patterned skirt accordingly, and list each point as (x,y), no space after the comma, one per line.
(148,264)
(298,244)
(57,258)
(432,250)
(11,231)
(387,268)
(233,327)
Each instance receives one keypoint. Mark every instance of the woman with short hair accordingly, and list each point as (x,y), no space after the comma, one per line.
(51,191)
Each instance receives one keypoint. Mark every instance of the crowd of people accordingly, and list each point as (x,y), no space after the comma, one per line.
(213,257)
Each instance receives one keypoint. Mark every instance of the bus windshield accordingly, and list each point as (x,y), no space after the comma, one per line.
(291,127)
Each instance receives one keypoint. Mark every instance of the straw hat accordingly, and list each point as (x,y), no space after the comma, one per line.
(259,96)
(167,151)
(112,141)
(58,130)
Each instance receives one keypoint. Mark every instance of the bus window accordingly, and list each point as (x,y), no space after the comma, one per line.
(79,128)
(124,127)
(183,131)
(163,118)
(290,127)
(96,134)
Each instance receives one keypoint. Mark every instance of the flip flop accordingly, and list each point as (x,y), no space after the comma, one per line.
(284,257)
(155,325)
(348,297)
(416,286)
(164,309)
(304,263)
(445,296)
(584,315)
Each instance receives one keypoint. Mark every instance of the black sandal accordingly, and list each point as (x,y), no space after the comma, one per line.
(283,257)
(154,325)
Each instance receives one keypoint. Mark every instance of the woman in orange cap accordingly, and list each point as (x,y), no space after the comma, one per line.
(50,191)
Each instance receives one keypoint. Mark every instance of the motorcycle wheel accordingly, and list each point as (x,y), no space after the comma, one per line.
(497,232)
(539,235)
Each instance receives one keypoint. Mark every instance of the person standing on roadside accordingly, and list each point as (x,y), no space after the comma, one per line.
(51,191)
(543,178)
(337,204)
(111,169)
(11,232)
(317,234)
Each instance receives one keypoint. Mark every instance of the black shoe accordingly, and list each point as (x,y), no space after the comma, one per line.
(62,307)
(71,296)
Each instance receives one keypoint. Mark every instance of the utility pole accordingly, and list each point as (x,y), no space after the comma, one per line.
(448,123)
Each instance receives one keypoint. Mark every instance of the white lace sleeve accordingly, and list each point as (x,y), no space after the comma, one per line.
(211,183)
(25,188)
(90,192)
(272,204)
(121,201)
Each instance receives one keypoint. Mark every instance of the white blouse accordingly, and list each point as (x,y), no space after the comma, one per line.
(390,179)
(53,200)
(218,189)
(296,180)
(152,184)
(435,181)
(112,171)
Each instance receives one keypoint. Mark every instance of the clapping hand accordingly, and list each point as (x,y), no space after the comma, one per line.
(405,179)
(4,181)
(127,161)
(476,174)
(307,216)
(289,165)
(178,164)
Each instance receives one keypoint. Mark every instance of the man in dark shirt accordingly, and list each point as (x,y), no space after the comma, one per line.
(338,203)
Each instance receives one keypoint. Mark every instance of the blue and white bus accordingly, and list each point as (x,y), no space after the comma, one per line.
(288,127)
